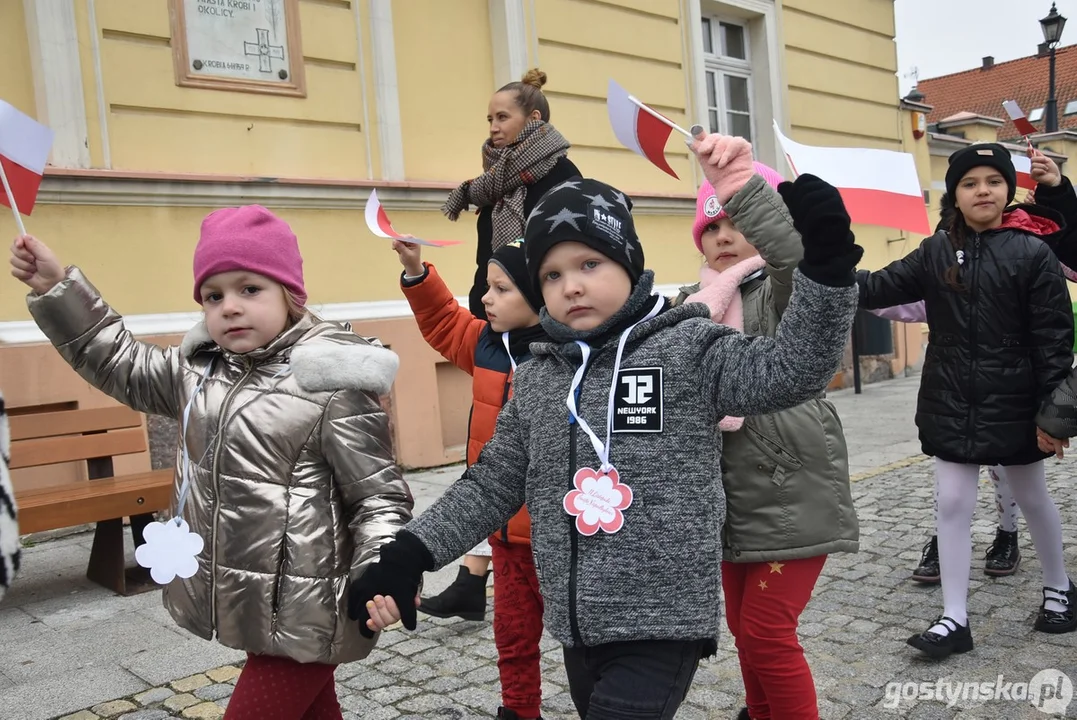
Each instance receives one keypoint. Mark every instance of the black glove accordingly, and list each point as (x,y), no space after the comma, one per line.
(819,215)
(396,574)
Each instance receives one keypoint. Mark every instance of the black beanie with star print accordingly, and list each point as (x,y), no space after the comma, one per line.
(585,211)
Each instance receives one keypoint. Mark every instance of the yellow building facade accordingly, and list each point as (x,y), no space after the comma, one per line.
(392,94)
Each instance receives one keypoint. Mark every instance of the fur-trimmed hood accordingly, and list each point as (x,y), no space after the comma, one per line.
(323,356)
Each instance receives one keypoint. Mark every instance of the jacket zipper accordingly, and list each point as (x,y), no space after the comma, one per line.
(574,621)
(217,486)
(973,327)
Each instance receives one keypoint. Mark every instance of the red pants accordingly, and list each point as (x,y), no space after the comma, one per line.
(517,627)
(274,688)
(763,605)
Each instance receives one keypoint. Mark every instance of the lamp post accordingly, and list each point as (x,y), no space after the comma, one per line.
(1052,26)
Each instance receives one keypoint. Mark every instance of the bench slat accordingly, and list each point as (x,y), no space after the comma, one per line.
(87,501)
(72,422)
(54,450)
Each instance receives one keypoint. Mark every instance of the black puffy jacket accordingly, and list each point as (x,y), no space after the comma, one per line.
(562,170)
(999,348)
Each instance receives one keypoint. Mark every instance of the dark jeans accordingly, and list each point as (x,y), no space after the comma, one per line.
(641,680)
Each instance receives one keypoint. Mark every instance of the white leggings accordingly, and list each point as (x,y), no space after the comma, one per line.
(1008,512)
(955,486)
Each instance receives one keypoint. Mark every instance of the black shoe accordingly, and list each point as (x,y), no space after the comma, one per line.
(506,714)
(1052,621)
(1003,556)
(938,647)
(743,714)
(928,571)
(465,598)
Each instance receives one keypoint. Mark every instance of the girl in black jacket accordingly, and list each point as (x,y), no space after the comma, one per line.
(1001,339)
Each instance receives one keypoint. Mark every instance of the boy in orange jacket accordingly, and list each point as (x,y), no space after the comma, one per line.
(489,351)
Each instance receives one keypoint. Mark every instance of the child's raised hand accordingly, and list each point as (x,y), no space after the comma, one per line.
(819,215)
(726,161)
(411,257)
(1044,170)
(34,264)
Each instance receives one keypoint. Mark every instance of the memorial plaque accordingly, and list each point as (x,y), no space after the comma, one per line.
(249,45)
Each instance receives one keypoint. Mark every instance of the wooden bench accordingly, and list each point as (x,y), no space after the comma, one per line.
(93,436)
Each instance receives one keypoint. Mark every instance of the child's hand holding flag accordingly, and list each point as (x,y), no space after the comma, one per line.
(1044,170)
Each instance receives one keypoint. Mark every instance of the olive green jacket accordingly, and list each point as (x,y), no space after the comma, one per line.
(786,474)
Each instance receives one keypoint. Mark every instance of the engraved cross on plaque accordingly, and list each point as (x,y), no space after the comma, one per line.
(264,51)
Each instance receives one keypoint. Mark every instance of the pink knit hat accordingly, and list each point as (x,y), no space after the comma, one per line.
(249,238)
(709,210)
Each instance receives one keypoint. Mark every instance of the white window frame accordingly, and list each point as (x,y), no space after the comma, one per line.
(763,17)
(722,66)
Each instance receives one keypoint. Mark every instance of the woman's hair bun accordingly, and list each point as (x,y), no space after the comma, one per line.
(535,78)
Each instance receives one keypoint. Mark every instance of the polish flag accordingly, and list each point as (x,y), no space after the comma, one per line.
(879,187)
(24,150)
(1023,165)
(1018,116)
(378,223)
(637,126)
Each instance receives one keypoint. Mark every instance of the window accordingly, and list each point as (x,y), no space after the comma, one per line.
(1036,115)
(1071,108)
(728,77)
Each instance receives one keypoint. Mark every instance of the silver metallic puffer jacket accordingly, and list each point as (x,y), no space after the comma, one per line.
(293,482)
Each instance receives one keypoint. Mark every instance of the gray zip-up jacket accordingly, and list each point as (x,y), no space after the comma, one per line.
(659,577)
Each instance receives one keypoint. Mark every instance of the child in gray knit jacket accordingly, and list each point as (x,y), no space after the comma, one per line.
(610,440)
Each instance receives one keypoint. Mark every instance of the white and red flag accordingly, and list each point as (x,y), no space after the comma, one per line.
(24,150)
(378,223)
(879,187)
(1018,116)
(1023,165)
(639,128)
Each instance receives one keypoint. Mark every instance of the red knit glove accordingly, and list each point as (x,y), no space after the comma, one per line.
(726,161)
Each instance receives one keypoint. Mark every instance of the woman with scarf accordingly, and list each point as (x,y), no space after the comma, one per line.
(523,158)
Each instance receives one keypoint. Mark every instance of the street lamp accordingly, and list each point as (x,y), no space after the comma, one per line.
(1052,26)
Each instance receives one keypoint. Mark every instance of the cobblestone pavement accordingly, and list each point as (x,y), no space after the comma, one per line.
(853,632)
(67,646)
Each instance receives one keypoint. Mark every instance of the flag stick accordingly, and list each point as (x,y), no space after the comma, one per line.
(660,118)
(11,199)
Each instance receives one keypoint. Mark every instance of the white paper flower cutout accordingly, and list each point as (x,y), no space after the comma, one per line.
(170,551)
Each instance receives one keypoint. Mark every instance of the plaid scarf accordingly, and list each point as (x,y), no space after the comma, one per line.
(506,174)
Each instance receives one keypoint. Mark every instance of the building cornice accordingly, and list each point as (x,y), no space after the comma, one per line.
(119,188)
(910,105)
(1067,135)
(941,144)
(965,119)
